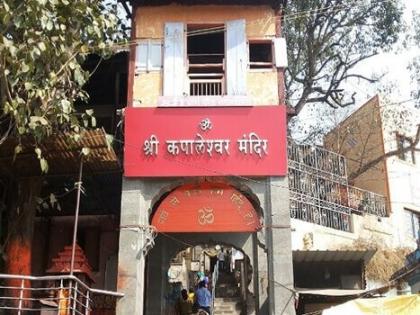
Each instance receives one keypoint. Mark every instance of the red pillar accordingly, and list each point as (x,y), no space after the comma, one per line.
(22,208)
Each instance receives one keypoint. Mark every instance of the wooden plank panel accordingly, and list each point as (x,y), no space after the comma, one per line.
(236,57)
(173,65)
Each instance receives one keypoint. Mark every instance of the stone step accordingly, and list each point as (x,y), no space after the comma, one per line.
(227,299)
(227,306)
(233,304)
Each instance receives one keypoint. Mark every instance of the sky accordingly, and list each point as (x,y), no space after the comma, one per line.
(394,63)
(394,67)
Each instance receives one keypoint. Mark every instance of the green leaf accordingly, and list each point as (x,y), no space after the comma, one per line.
(93,122)
(24,68)
(44,165)
(89,112)
(38,153)
(85,151)
(18,149)
(42,46)
(109,140)
(53,199)
(49,25)
(66,106)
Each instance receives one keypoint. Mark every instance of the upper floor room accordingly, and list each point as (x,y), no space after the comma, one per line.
(207,53)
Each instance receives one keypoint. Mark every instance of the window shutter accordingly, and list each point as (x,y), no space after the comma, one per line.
(280,52)
(173,64)
(141,57)
(236,57)
(148,55)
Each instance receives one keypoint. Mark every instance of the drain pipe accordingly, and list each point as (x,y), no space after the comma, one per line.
(76,215)
(269,245)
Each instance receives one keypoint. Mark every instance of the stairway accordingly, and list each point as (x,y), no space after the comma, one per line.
(227,301)
(225,306)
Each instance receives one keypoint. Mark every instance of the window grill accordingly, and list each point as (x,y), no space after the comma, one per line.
(319,190)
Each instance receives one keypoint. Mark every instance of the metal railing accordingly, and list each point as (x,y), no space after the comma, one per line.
(318,160)
(319,190)
(63,295)
(364,201)
(313,210)
(214,278)
(206,84)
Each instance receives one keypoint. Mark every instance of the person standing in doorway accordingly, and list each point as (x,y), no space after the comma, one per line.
(221,258)
(203,297)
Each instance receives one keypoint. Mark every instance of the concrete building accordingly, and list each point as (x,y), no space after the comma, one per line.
(380,142)
(353,197)
(205,151)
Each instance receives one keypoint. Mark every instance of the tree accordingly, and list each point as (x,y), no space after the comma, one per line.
(42,46)
(327,39)
(414,65)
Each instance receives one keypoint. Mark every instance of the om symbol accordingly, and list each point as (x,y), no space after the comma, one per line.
(205,124)
(205,216)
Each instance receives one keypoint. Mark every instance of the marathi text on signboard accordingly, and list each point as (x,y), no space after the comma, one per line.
(205,141)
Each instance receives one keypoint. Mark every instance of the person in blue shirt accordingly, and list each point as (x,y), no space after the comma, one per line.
(203,297)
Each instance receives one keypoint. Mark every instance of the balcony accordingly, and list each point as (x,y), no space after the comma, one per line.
(319,190)
(53,295)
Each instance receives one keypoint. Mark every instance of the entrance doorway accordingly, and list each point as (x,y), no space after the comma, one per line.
(224,270)
(199,226)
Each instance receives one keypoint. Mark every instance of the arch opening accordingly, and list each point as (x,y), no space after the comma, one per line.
(205,207)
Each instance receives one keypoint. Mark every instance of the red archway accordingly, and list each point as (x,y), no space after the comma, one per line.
(206,207)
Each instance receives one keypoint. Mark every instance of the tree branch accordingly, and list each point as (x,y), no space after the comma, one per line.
(370,164)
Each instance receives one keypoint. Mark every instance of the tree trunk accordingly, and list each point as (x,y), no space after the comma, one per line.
(21,215)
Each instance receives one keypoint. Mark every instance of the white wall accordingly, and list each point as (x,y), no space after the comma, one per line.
(403,176)
(311,236)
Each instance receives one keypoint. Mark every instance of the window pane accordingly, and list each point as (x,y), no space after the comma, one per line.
(404,143)
(141,56)
(260,52)
(260,55)
(155,56)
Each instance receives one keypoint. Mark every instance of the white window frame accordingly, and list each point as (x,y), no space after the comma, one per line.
(251,41)
(414,223)
(149,67)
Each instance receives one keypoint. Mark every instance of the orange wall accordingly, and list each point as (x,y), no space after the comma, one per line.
(260,23)
(150,21)
(359,138)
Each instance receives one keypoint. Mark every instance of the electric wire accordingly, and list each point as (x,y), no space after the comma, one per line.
(262,21)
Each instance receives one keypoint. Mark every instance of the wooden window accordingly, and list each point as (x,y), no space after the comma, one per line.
(403,143)
(260,55)
(412,223)
(186,61)
(205,57)
(149,56)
